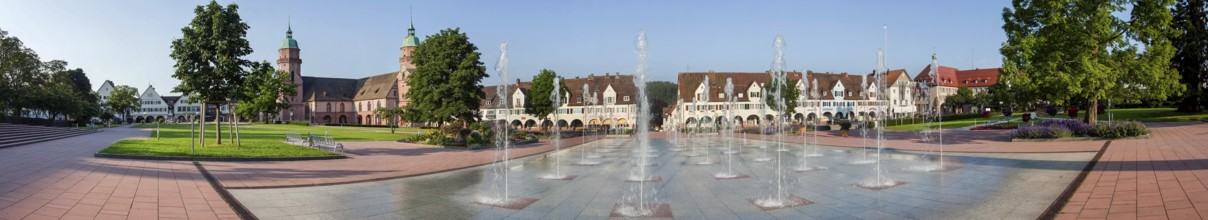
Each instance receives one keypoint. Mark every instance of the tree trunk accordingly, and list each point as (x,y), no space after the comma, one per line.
(218,124)
(202,121)
(1092,112)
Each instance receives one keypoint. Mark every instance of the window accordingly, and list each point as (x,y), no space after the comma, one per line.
(626,98)
(721,95)
(328,107)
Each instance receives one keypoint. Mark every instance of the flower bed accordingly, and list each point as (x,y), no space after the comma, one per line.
(1052,129)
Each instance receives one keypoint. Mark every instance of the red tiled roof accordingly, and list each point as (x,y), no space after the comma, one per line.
(947,76)
(978,77)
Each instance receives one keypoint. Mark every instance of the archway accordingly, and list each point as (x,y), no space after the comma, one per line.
(562,124)
(754,119)
(139,119)
(158,118)
(799,117)
(326,119)
(360,120)
(738,121)
(530,123)
(576,123)
(343,119)
(547,124)
(690,122)
(827,117)
(180,118)
(811,117)
(623,123)
(516,123)
(593,122)
(706,120)
(872,114)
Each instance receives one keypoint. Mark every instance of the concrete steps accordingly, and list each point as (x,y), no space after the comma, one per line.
(12,135)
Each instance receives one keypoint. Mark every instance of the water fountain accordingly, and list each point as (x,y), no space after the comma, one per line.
(677,118)
(728,132)
(763,142)
(499,194)
(641,202)
(880,180)
(936,116)
(585,156)
(706,157)
(806,150)
(556,98)
(864,106)
(780,197)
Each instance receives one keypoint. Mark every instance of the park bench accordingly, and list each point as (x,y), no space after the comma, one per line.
(294,138)
(326,142)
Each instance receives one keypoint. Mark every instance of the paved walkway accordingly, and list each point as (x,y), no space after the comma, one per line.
(367,161)
(991,141)
(1163,177)
(60,179)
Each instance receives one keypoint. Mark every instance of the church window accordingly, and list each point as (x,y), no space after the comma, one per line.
(328,107)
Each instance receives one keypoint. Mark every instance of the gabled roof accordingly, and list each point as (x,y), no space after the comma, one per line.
(171,100)
(621,84)
(947,76)
(328,89)
(376,87)
(689,81)
(978,77)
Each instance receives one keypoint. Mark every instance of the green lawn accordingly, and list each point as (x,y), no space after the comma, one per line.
(1149,115)
(258,140)
(948,124)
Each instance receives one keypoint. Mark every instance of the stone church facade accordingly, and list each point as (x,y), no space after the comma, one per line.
(325,100)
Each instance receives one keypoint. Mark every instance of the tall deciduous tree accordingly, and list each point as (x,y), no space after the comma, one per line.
(662,91)
(539,103)
(209,58)
(787,91)
(964,96)
(263,90)
(446,80)
(1078,50)
(21,72)
(1191,52)
(122,99)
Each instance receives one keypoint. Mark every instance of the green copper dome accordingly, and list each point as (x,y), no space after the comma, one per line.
(289,41)
(411,40)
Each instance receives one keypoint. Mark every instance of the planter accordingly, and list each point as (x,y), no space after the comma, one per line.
(843,133)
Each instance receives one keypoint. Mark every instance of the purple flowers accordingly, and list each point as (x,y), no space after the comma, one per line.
(1071,128)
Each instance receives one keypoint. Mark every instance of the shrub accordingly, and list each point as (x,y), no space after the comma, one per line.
(1120,129)
(302,123)
(844,125)
(1077,127)
(1041,132)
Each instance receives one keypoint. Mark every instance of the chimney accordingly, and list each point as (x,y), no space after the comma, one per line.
(517,81)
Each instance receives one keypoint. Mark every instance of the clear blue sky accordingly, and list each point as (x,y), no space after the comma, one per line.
(128,41)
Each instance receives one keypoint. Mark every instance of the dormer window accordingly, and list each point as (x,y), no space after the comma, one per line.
(721,95)
(626,98)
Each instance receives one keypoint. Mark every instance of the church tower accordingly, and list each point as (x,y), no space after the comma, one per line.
(406,65)
(288,60)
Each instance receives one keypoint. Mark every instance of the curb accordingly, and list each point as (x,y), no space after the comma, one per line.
(1055,208)
(219,159)
(237,206)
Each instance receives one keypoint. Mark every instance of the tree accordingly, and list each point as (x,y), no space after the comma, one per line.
(964,96)
(264,89)
(1191,52)
(122,99)
(788,92)
(1067,50)
(539,103)
(391,114)
(662,91)
(21,73)
(447,76)
(209,58)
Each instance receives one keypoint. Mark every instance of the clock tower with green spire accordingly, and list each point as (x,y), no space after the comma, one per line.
(406,64)
(288,60)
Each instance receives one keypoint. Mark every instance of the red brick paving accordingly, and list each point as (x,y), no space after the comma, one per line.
(1162,177)
(367,161)
(61,180)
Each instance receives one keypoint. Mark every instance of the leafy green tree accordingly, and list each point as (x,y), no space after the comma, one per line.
(209,58)
(21,73)
(122,99)
(964,96)
(662,91)
(391,114)
(539,103)
(1066,50)
(447,76)
(264,89)
(1191,52)
(789,93)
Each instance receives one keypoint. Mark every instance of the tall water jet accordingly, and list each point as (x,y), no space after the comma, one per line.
(880,180)
(934,115)
(641,202)
(585,155)
(864,107)
(806,153)
(780,197)
(706,158)
(763,140)
(556,98)
(728,132)
(499,194)
(677,118)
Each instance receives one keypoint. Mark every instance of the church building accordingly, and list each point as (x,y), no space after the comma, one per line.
(325,100)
